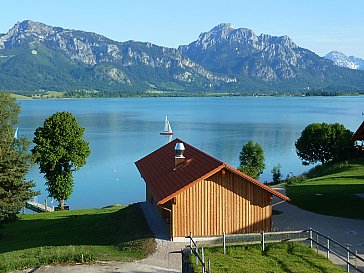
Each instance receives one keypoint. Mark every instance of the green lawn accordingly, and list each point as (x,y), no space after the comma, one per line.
(277,258)
(119,234)
(332,194)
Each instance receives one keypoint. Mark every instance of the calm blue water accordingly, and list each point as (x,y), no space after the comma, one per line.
(121,131)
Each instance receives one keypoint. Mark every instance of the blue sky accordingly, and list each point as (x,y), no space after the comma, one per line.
(319,25)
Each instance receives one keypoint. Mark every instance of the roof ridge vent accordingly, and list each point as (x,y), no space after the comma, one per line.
(179,158)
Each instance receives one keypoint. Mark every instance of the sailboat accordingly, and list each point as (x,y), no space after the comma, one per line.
(167,128)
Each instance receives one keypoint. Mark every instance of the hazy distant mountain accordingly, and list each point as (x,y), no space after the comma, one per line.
(35,56)
(342,60)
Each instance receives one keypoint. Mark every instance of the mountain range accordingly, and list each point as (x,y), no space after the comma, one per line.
(342,60)
(35,57)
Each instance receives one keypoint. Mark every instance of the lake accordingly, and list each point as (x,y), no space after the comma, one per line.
(121,131)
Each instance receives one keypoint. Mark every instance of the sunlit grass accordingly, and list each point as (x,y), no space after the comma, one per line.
(277,258)
(119,234)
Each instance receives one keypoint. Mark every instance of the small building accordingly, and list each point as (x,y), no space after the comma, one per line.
(358,137)
(199,194)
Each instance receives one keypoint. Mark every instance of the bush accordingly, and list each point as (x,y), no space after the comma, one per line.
(277,175)
(293,180)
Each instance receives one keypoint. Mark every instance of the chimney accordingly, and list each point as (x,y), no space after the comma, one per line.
(179,158)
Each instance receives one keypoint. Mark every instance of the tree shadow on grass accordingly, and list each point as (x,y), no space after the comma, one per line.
(109,227)
(335,200)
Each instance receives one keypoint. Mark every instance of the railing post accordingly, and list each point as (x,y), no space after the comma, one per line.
(311,238)
(197,253)
(203,260)
(356,261)
(328,248)
(317,241)
(190,240)
(209,266)
(263,242)
(348,260)
(224,243)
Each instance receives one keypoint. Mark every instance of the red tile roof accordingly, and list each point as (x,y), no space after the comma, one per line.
(166,181)
(359,134)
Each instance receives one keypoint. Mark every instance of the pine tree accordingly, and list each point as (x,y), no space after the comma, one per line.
(14,163)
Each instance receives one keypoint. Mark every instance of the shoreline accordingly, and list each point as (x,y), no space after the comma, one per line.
(21,97)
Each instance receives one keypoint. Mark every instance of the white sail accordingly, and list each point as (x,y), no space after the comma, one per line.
(166,124)
(167,128)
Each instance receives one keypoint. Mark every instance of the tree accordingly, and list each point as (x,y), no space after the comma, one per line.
(252,159)
(14,163)
(322,142)
(276,173)
(60,150)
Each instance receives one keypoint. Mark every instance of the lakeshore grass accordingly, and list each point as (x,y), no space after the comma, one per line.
(337,193)
(118,234)
(278,258)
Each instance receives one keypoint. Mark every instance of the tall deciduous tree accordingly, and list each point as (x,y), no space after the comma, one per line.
(252,159)
(322,142)
(60,150)
(14,163)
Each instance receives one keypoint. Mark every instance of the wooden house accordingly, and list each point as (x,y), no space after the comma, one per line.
(358,137)
(199,194)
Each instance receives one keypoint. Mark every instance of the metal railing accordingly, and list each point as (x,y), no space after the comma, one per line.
(199,258)
(332,246)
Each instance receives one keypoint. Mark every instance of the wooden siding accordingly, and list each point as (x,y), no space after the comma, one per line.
(224,202)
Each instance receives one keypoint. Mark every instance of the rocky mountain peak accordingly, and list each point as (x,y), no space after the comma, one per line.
(35,28)
(26,32)
(222,28)
(340,59)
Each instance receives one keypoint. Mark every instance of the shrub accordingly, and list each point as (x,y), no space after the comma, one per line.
(292,180)
(277,175)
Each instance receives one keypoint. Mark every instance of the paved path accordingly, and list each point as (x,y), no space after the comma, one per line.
(162,256)
(349,232)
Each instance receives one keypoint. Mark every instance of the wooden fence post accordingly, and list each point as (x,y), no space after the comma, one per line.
(224,243)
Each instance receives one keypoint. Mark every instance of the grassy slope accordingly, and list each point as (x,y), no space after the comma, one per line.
(332,194)
(277,258)
(97,234)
